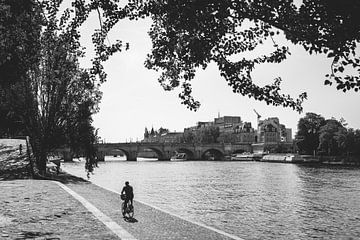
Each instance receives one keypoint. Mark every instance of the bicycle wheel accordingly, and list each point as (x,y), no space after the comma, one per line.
(130,211)
(127,212)
(123,210)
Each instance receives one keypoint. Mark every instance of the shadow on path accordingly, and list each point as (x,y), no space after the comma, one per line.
(20,173)
(130,219)
(66,178)
(24,173)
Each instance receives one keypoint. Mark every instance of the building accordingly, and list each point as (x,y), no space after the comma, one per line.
(227,124)
(270,130)
(245,133)
(272,136)
(233,130)
(287,135)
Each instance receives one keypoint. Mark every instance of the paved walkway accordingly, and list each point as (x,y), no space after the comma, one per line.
(42,210)
(45,210)
(151,223)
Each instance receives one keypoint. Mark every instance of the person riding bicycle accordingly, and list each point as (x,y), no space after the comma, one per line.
(129,194)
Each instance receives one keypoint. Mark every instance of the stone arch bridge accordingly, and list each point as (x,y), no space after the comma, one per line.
(165,151)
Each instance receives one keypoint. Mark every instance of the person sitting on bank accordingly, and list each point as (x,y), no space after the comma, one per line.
(129,193)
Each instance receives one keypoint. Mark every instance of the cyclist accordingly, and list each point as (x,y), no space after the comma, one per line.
(129,194)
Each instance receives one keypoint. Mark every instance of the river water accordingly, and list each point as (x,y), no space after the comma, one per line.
(252,200)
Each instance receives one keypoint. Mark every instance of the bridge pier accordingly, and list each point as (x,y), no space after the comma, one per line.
(67,156)
(132,156)
(100,156)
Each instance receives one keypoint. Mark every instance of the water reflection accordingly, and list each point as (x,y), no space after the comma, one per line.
(250,199)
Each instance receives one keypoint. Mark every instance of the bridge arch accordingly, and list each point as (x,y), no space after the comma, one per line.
(116,149)
(160,154)
(212,154)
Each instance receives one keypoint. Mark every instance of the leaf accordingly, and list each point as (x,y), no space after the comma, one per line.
(328,82)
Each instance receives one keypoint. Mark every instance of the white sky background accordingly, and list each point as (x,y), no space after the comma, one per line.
(133,99)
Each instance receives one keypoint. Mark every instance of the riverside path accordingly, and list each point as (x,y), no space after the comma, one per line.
(81,210)
(44,209)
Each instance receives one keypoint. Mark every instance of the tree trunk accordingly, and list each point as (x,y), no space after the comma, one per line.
(41,162)
(40,155)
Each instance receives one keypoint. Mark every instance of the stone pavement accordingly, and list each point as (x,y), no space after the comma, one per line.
(150,223)
(37,209)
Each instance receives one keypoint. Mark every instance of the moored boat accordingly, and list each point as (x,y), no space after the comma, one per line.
(243,157)
(285,158)
(294,158)
(179,157)
(310,159)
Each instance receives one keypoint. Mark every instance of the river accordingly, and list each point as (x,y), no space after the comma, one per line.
(252,200)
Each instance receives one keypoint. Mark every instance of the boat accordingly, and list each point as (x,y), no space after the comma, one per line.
(179,157)
(310,159)
(294,158)
(284,158)
(243,157)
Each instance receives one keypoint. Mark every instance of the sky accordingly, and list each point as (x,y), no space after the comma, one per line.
(133,99)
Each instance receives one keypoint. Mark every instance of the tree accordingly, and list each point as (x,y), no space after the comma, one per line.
(355,143)
(188,137)
(11,125)
(20,24)
(225,137)
(81,135)
(207,135)
(351,145)
(189,34)
(45,87)
(278,148)
(162,131)
(332,137)
(58,98)
(308,132)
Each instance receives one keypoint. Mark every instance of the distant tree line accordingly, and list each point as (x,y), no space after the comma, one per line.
(203,135)
(331,137)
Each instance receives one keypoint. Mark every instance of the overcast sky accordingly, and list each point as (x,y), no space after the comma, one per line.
(133,99)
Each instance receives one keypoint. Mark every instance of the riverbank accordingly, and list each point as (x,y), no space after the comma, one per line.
(39,209)
(15,164)
(45,209)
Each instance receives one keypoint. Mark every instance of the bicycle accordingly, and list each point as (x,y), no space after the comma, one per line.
(128,211)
